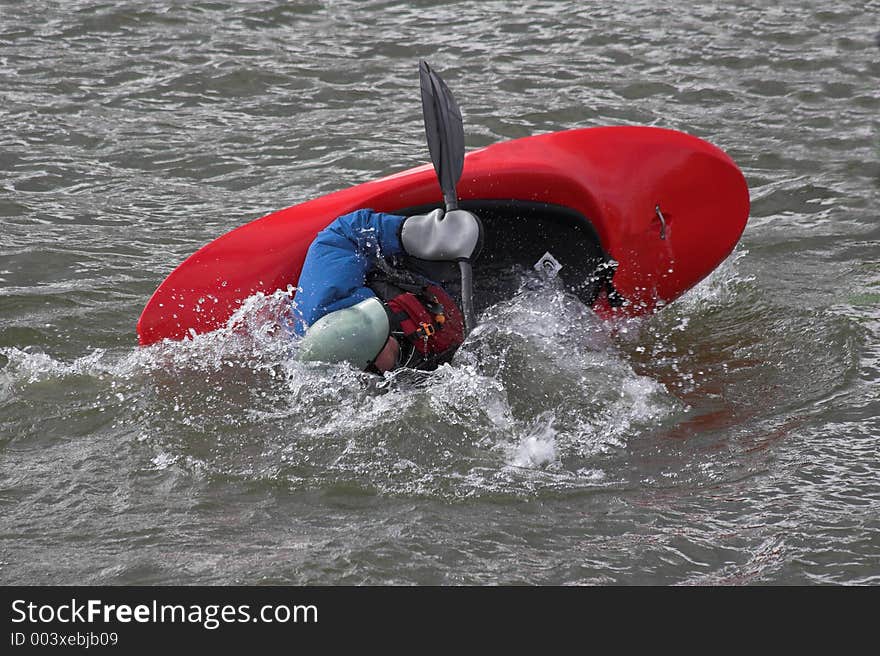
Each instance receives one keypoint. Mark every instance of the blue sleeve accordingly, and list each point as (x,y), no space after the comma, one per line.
(338,261)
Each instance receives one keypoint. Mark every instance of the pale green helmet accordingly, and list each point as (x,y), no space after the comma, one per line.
(356,335)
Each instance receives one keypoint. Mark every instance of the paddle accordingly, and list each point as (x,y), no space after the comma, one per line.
(445,134)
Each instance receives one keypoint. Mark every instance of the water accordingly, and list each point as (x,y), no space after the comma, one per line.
(730,439)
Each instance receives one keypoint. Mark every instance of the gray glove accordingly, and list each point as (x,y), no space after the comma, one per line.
(456,236)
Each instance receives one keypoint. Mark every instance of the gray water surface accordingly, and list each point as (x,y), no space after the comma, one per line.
(730,439)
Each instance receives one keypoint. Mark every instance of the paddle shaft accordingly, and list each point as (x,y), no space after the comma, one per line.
(445,134)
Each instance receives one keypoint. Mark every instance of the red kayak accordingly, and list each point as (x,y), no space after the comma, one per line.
(636,216)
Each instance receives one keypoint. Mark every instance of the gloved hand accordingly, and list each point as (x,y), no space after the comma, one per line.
(442,236)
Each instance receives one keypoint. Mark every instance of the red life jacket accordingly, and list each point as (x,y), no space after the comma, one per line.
(426,321)
(430,321)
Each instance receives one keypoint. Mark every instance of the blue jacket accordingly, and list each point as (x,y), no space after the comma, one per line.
(338,261)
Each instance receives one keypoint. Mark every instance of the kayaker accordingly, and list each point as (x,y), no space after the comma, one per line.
(363,296)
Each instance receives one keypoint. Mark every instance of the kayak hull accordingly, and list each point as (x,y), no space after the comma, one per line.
(665,206)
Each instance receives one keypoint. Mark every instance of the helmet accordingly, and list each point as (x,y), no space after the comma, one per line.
(355,335)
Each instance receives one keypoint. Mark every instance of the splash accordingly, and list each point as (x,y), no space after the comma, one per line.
(720,286)
(534,397)
(538,448)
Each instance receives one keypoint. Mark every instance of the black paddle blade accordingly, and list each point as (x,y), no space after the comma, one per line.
(444,130)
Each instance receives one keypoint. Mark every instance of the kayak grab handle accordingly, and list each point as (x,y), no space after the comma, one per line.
(662,221)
